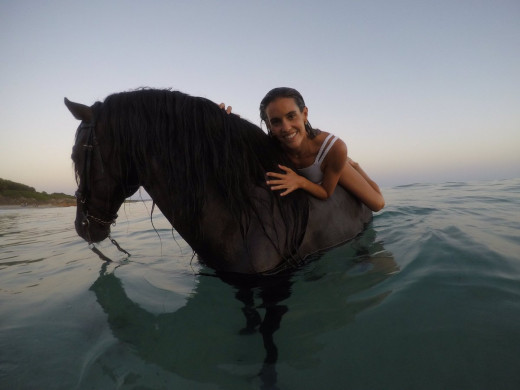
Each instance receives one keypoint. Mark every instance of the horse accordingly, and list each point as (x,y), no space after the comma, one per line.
(205,171)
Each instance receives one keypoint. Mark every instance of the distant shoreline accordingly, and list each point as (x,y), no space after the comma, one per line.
(33,202)
(18,195)
(52,204)
(34,206)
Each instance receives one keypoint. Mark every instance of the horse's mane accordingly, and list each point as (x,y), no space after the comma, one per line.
(198,144)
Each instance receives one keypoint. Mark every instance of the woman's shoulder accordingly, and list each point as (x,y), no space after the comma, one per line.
(329,138)
(320,137)
(336,149)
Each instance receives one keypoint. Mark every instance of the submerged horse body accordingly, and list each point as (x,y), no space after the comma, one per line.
(205,171)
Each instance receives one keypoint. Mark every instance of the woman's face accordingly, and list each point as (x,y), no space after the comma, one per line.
(287,122)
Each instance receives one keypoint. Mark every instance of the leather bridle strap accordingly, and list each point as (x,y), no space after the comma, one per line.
(83,192)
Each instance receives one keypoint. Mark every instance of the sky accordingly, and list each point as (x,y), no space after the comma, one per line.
(421,91)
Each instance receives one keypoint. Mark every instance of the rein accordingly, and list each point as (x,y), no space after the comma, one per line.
(83,192)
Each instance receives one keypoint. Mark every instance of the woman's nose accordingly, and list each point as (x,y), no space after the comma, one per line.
(286,125)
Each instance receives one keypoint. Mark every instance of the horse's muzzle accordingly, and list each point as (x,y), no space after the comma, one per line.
(89,230)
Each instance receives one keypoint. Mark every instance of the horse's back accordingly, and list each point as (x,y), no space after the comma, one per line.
(333,221)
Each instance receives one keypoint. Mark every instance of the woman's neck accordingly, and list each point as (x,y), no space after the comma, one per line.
(304,154)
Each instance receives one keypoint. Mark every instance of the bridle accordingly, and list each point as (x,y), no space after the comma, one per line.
(83,191)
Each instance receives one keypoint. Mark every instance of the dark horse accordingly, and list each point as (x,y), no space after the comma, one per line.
(205,170)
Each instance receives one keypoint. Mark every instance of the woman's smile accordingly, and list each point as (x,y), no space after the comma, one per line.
(289,135)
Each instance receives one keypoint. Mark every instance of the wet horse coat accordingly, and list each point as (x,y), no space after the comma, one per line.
(205,170)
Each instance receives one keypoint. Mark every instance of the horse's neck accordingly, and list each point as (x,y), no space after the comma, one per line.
(162,200)
(220,242)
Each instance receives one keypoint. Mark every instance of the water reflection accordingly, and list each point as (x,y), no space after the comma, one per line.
(214,339)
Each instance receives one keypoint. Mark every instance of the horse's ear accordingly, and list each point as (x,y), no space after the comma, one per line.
(80,111)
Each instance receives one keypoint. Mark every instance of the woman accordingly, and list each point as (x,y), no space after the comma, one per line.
(320,157)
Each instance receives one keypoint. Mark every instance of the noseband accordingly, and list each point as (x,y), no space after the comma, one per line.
(83,192)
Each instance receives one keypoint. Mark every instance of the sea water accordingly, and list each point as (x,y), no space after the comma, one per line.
(427,297)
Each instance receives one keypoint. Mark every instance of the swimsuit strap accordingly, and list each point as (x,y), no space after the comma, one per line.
(323,153)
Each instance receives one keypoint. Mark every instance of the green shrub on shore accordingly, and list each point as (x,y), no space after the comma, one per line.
(17,193)
(8,185)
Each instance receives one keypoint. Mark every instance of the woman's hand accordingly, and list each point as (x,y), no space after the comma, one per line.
(288,181)
(354,164)
(223,107)
(228,109)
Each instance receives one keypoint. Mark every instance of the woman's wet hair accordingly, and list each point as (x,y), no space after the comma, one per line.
(285,92)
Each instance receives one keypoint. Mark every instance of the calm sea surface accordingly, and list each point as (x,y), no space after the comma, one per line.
(428,297)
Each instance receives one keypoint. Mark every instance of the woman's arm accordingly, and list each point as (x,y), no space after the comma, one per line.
(354,179)
(348,174)
(332,168)
(358,168)
(351,177)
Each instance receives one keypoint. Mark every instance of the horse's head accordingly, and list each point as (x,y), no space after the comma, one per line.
(101,188)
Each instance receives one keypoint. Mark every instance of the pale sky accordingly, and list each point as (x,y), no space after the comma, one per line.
(421,91)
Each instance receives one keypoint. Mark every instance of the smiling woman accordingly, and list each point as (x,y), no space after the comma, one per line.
(320,158)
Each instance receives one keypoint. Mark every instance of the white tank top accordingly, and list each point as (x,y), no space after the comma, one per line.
(313,172)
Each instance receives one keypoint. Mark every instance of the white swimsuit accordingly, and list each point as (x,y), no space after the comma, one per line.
(313,172)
